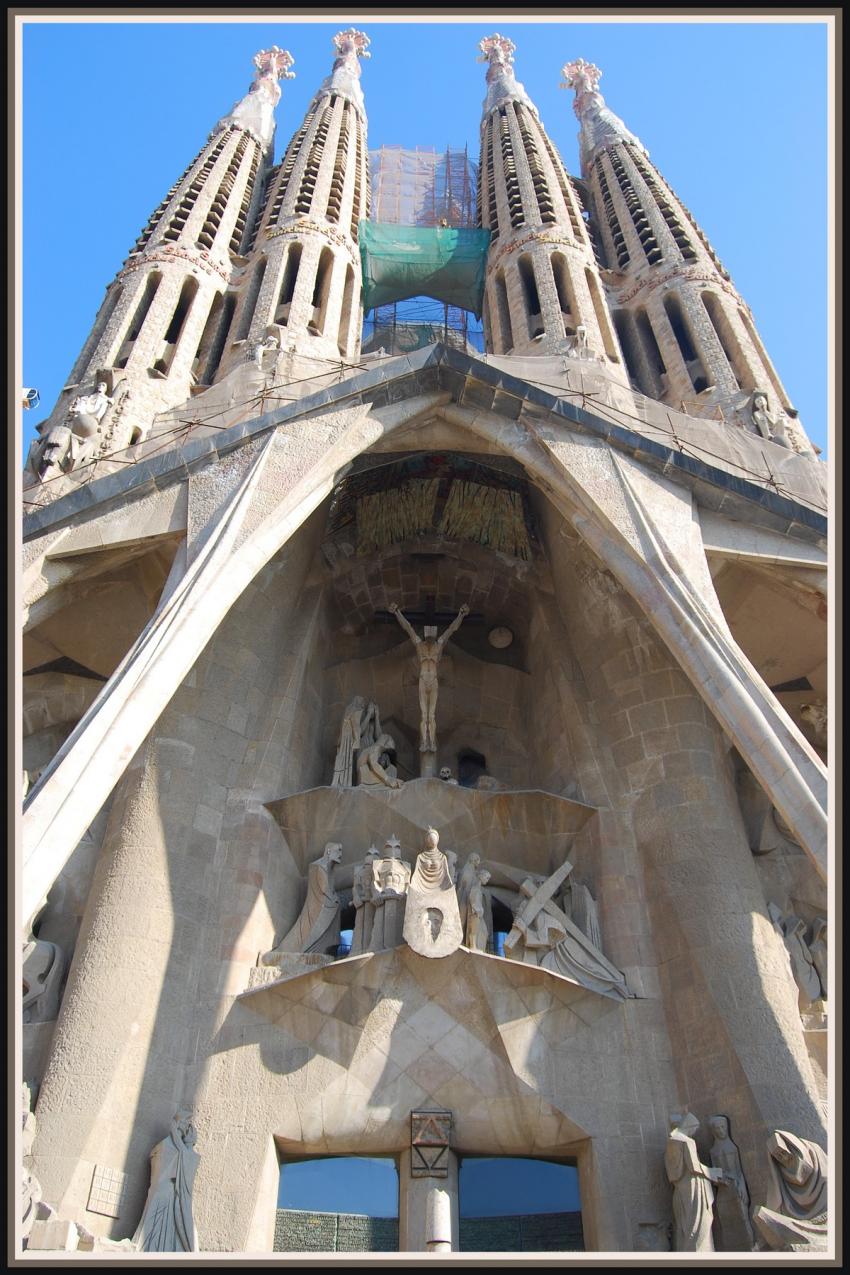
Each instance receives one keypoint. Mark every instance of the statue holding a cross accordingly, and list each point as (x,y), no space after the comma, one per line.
(429,649)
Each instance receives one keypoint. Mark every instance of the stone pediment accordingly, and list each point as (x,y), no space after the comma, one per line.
(530,829)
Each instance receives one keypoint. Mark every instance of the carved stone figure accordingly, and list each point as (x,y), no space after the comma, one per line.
(803,969)
(429,650)
(692,1194)
(819,951)
(261,352)
(476,933)
(371,772)
(446,775)
(432,924)
(817,718)
(795,1215)
(317,927)
(767,425)
(360,728)
(543,934)
(167,1224)
(42,978)
(390,881)
(88,410)
(361,897)
(732,1201)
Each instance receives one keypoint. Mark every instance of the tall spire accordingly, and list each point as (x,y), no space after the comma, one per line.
(543,293)
(162,327)
(302,286)
(599,125)
(688,338)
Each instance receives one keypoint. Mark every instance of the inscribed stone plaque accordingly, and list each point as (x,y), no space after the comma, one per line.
(430,1133)
(108,1189)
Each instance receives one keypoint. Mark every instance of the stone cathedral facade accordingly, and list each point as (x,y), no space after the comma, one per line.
(508,665)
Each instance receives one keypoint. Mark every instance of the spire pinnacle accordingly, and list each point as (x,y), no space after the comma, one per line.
(502,84)
(599,125)
(349,46)
(255,111)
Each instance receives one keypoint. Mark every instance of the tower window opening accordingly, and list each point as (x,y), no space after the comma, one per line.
(564,289)
(249,303)
(218,207)
(290,278)
(214,339)
(504,310)
(340,167)
(665,208)
(728,341)
(163,363)
(632,353)
(321,292)
(135,326)
(650,346)
(636,210)
(687,346)
(602,317)
(532,297)
(345,312)
(546,207)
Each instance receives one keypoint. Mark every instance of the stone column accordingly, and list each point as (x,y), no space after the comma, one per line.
(428,1209)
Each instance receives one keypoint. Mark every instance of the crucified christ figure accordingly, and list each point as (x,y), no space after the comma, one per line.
(429,648)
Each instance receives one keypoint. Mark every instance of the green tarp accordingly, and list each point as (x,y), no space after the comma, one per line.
(443,262)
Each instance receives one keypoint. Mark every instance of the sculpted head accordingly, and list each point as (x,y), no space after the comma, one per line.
(685,1122)
(445,772)
(432,839)
(719,1127)
(333,852)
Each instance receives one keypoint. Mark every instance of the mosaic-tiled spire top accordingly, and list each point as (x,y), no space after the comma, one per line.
(255,111)
(502,85)
(350,46)
(600,127)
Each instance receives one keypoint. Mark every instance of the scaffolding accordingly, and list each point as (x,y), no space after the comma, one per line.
(428,188)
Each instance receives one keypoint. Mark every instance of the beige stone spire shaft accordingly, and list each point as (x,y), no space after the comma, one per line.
(163,324)
(302,288)
(543,293)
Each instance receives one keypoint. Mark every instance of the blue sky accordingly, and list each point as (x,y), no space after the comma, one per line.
(733,114)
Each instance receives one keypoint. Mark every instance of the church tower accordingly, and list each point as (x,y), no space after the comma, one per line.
(688,337)
(543,291)
(162,325)
(303,282)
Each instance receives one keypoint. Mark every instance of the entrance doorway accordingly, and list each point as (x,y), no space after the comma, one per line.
(337,1204)
(514,1204)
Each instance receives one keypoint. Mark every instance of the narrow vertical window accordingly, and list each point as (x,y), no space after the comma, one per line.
(687,346)
(249,304)
(162,364)
(321,292)
(345,315)
(504,309)
(726,337)
(563,287)
(602,317)
(290,278)
(532,296)
(135,326)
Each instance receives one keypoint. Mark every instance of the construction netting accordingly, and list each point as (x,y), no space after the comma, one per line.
(423,186)
(444,262)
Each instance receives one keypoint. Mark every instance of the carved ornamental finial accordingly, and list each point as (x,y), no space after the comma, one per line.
(274,62)
(351,45)
(499,51)
(582,76)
